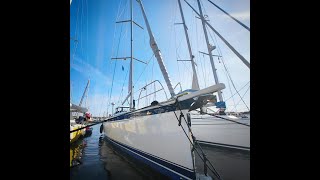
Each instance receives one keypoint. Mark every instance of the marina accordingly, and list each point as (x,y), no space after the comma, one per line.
(99,160)
(160,126)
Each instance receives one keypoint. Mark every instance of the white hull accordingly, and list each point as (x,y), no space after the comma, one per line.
(157,135)
(152,134)
(216,131)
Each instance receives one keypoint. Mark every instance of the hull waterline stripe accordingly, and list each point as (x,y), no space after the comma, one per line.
(153,157)
(190,174)
(224,145)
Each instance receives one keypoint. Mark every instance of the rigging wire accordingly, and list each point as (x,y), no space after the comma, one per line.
(239,90)
(81,25)
(155,94)
(222,59)
(77,20)
(193,145)
(225,67)
(113,46)
(214,43)
(175,44)
(115,64)
(75,36)
(171,27)
(204,159)
(229,88)
(196,60)
(200,37)
(220,117)
(241,99)
(185,70)
(87,38)
(203,69)
(177,54)
(231,16)
(120,97)
(144,69)
(234,86)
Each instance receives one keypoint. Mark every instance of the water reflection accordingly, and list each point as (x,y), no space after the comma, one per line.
(231,164)
(76,150)
(77,147)
(119,166)
(95,158)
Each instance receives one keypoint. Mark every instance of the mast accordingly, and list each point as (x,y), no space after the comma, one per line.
(224,40)
(156,52)
(86,102)
(84,93)
(130,85)
(210,49)
(131,55)
(195,82)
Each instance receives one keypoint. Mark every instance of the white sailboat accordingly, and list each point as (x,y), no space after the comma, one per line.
(220,131)
(217,129)
(75,112)
(159,135)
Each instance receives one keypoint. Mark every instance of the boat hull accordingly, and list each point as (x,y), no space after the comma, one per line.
(155,139)
(219,132)
(74,136)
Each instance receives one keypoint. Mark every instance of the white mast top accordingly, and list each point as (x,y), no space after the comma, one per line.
(210,49)
(157,53)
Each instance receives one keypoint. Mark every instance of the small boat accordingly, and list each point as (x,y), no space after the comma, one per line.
(78,121)
(74,109)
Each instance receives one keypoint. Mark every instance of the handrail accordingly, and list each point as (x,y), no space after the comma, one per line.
(144,88)
(177,85)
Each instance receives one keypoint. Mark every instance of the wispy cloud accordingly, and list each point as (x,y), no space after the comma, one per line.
(97,104)
(101,42)
(88,70)
(244,15)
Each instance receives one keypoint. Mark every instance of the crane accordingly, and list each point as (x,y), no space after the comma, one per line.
(84,93)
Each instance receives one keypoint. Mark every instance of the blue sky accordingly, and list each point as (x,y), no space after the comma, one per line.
(92,24)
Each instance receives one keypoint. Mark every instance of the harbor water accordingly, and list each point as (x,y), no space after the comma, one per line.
(94,158)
